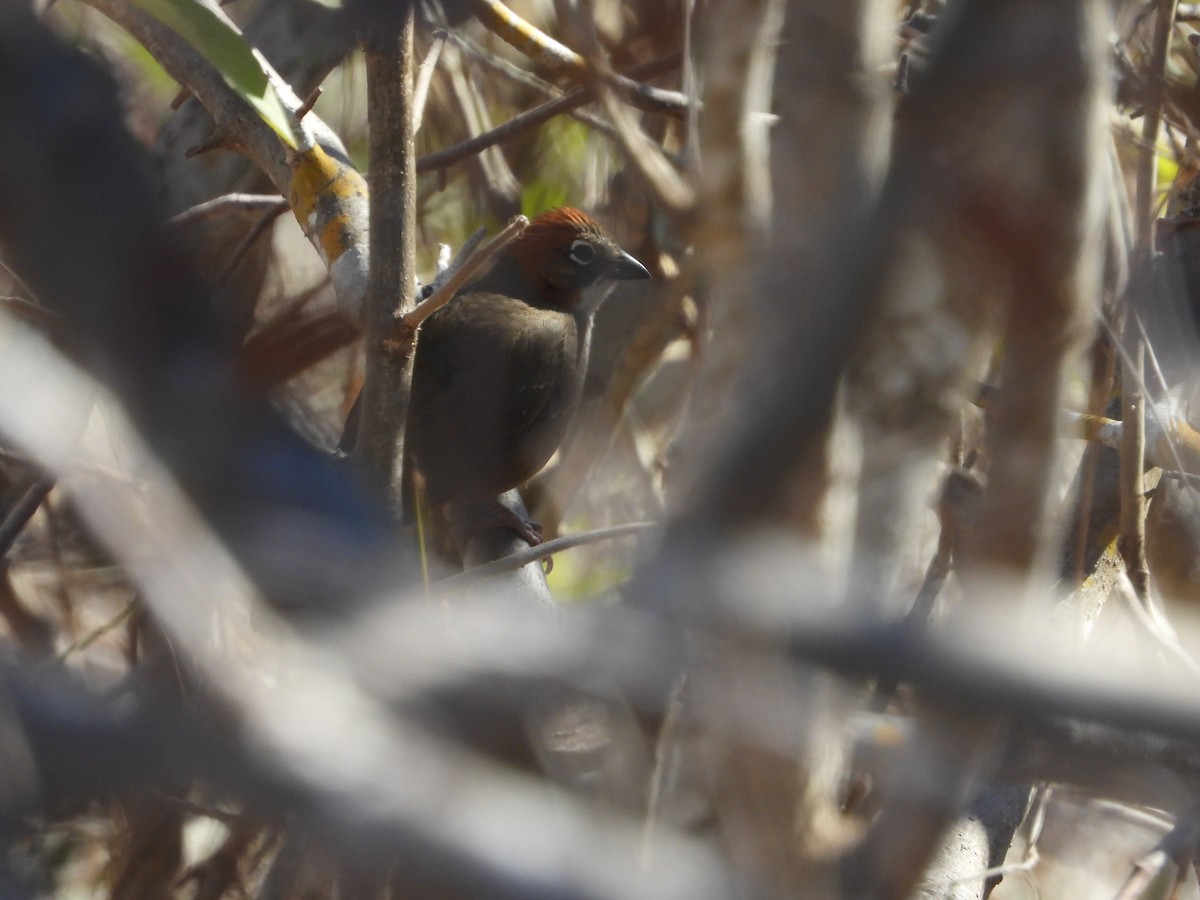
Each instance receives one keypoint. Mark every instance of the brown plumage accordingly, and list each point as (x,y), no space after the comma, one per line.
(499,370)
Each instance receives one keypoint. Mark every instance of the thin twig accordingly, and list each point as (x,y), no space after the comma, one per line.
(256,231)
(97,633)
(425,76)
(1132,539)
(1150,622)
(953,495)
(1032,858)
(666,765)
(671,191)
(959,497)
(499,184)
(532,42)
(1179,840)
(219,206)
(445,273)
(216,141)
(1140,817)
(309,102)
(449,288)
(691,88)
(17,516)
(1182,442)
(532,554)
(522,122)
(503,67)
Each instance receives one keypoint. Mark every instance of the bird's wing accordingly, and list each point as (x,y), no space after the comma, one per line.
(491,391)
(543,362)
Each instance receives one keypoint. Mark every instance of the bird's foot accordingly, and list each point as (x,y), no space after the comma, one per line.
(477,518)
(528,530)
(500,516)
(483,529)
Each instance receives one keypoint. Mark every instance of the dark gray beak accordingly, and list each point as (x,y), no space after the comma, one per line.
(625,268)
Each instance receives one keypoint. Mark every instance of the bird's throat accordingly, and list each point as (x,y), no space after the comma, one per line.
(583,325)
(593,295)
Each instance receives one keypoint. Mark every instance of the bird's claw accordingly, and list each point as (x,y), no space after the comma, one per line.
(480,517)
(531,532)
(528,530)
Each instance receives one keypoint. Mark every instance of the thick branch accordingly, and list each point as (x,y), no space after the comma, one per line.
(384,401)
(326,194)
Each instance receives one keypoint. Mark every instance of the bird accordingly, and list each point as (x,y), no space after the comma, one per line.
(499,370)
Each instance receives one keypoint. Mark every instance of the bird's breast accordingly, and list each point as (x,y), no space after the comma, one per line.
(495,385)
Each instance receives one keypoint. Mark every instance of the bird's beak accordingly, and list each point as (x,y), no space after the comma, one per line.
(625,268)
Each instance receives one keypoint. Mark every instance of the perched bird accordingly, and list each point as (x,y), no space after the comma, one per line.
(499,370)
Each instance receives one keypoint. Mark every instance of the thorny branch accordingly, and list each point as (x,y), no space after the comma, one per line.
(816,248)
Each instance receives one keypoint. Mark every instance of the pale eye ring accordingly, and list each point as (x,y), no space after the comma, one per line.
(583,252)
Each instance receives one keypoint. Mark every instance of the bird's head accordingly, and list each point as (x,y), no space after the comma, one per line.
(567,261)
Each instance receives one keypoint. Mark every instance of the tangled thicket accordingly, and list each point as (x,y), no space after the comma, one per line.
(859,594)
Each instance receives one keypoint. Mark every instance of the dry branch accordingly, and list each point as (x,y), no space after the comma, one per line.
(326,194)
(541,47)
(383,403)
(670,191)
(523,122)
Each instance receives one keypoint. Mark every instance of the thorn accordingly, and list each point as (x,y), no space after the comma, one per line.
(213,142)
(900,84)
(309,102)
(179,98)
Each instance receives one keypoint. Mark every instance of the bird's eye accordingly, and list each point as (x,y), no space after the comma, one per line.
(582,252)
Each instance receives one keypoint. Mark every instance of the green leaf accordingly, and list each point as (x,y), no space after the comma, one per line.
(222,44)
(1166,170)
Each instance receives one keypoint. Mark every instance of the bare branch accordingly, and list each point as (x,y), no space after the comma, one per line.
(463,273)
(539,46)
(383,403)
(529,119)
(255,204)
(425,76)
(1132,539)
(541,551)
(516,74)
(336,220)
(669,189)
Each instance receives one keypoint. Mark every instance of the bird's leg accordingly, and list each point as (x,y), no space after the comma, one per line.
(479,516)
(528,530)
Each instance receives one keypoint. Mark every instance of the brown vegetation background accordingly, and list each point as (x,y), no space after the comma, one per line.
(875,541)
